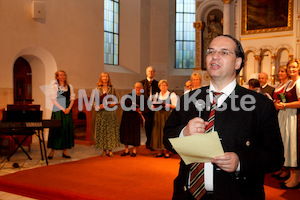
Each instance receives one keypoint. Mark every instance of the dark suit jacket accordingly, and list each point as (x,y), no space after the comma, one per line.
(146,86)
(268,89)
(154,85)
(253,135)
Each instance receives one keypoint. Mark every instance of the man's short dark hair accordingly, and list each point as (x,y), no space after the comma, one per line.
(239,52)
(254,83)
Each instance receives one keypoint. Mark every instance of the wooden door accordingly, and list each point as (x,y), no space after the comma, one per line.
(22,82)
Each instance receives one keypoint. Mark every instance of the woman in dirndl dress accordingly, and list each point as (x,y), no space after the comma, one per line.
(62,96)
(278,96)
(289,121)
(163,103)
(283,78)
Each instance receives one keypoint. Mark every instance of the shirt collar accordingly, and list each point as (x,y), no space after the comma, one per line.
(265,85)
(149,79)
(226,92)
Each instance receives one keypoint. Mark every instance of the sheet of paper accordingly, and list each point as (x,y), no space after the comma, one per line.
(198,148)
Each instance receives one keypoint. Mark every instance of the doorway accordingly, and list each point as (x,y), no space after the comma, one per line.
(22,82)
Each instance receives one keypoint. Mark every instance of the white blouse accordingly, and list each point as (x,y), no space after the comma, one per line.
(54,89)
(173,97)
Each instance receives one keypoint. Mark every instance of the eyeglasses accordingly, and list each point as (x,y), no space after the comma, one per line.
(221,52)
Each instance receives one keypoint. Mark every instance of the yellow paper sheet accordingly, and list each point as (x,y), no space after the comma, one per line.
(198,148)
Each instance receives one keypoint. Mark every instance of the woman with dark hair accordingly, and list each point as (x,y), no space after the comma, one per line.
(289,121)
(62,96)
(106,124)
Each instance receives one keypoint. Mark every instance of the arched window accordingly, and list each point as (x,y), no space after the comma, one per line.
(111,32)
(185,34)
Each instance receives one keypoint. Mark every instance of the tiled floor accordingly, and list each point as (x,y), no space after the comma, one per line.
(77,153)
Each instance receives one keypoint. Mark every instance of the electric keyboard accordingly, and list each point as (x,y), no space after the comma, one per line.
(53,123)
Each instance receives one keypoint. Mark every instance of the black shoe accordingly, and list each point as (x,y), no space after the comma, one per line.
(283,186)
(50,157)
(275,175)
(133,155)
(65,156)
(125,154)
(283,178)
(281,183)
(159,155)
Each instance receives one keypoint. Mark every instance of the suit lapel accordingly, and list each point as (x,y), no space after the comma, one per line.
(220,117)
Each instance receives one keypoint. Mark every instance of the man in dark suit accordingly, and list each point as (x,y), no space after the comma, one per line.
(263,80)
(150,88)
(246,123)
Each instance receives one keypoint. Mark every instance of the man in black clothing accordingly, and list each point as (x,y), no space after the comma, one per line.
(263,79)
(150,88)
(248,131)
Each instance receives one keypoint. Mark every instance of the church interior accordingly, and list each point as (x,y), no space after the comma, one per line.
(39,37)
(50,35)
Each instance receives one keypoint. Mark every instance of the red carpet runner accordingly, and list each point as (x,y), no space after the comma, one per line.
(103,178)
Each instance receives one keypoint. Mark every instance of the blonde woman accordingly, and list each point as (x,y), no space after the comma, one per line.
(62,96)
(107,134)
(283,79)
(196,80)
(288,118)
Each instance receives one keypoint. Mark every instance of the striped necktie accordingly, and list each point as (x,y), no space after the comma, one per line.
(197,188)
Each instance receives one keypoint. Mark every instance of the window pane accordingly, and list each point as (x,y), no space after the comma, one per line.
(111,31)
(185,34)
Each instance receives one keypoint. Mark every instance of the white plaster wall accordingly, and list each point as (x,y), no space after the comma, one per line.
(69,38)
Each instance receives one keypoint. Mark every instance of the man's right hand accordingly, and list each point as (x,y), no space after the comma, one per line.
(195,126)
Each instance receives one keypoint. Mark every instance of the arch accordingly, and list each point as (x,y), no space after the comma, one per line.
(244,73)
(207,6)
(248,50)
(280,48)
(285,47)
(202,12)
(43,66)
(280,51)
(268,48)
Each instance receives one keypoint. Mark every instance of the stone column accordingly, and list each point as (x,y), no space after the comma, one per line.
(257,64)
(199,26)
(273,69)
(226,17)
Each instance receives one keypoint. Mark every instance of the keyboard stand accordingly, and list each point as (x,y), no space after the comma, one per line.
(19,146)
